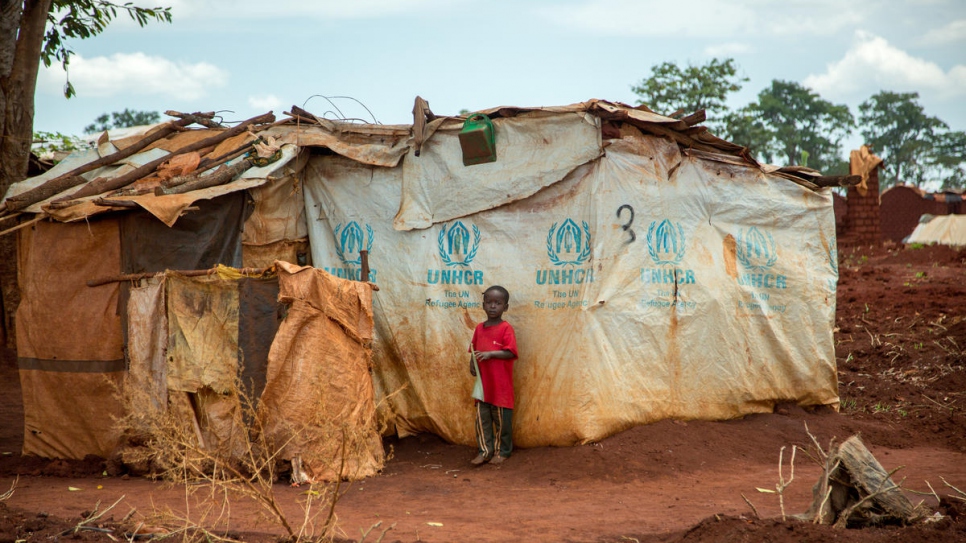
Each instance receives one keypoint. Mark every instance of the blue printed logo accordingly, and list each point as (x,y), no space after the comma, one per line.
(454,244)
(756,250)
(350,242)
(569,244)
(665,242)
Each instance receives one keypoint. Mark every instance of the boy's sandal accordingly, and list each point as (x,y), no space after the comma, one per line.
(480,460)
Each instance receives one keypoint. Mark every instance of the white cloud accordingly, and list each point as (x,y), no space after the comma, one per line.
(727,49)
(135,73)
(708,18)
(949,34)
(872,64)
(302,10)
(266,102)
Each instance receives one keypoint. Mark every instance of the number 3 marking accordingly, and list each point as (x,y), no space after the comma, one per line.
(630,221)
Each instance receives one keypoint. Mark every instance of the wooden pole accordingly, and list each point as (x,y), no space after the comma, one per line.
(186,273)
(364,261)
(220,177)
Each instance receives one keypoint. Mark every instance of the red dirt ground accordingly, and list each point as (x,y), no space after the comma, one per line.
(901,349)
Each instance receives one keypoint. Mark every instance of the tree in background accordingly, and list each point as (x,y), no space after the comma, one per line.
(674,91)
(915,147)
(31,32)
(787,123)
(745,128)
(949,157)
(122,119)
(800,120)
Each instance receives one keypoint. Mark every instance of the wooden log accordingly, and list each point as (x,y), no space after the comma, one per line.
(24,224)
(186,273)
(104,184)
(220,177)
(73,178)
(303,113)
(870,477)
(104,202)
(698,116)
(209,163)
(204,166)
(204,119)
(836,180)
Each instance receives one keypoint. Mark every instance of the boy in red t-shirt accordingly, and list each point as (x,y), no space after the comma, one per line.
(495,347)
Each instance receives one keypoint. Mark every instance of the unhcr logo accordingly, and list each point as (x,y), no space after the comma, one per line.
(350,240)
(665,243)
(757,252)
(455,247)
(568,245)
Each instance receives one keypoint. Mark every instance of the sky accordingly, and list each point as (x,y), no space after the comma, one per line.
(369,59)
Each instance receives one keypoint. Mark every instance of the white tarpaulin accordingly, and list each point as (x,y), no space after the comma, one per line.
(942,229)
(437,187)
(644,285)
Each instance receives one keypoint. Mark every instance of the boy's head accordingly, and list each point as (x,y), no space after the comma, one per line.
(496,300)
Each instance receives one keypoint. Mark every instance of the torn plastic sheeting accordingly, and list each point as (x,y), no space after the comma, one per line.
(111,170)
(532,153)
(638,293)
(147,341)
(377,149)
(202,333)
(318,400)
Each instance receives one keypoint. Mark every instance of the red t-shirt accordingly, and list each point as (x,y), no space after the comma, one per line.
(497,374)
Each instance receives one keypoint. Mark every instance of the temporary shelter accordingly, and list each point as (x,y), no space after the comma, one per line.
(655,270)
(942,230)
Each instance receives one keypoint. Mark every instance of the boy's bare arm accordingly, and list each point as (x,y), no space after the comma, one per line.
(490,355)
(472,367)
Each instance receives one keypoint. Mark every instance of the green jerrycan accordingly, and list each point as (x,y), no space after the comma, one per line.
(478,140)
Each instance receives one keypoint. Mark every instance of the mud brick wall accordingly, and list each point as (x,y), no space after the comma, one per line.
(863,224)
(901,208)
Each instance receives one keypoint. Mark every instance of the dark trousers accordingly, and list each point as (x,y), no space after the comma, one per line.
(494,429)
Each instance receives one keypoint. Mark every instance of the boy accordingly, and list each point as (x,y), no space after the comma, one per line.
(495,347)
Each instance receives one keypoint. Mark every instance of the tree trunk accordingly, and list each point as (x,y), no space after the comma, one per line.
(21,39)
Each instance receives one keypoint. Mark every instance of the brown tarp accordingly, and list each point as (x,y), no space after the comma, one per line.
(262,256)
(278,212)
(69,338)
(318,405)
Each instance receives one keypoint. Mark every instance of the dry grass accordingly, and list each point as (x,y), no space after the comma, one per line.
(218,462)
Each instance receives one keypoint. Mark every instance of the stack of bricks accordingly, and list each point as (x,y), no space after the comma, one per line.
(863,222)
